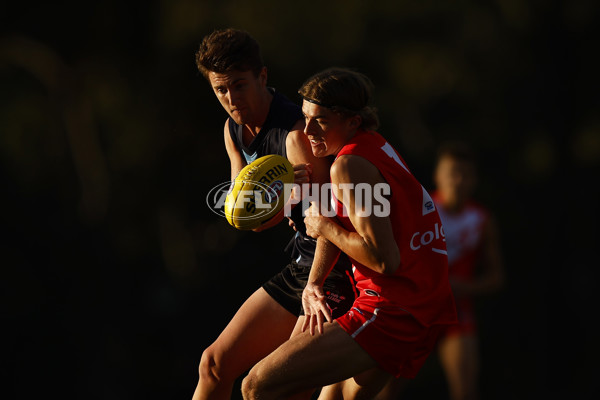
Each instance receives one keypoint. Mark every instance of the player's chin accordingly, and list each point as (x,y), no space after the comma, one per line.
(319,151)
(238,117)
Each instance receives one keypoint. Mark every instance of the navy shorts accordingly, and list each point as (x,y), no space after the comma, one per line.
(286,288)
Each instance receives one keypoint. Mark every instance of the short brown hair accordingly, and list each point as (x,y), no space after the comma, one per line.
(229,50)
(344,91)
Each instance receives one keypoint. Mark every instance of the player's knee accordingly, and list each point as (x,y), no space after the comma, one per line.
(252,386)
(249,388)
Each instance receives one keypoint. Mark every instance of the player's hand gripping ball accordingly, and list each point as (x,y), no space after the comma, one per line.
(259,191)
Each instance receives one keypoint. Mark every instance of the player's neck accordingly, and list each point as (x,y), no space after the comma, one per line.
(252,129)
(453,206)
(451,203)
(349,135)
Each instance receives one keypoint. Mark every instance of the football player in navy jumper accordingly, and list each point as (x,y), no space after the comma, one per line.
(262,121)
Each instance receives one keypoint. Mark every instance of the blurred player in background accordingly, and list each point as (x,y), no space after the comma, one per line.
(475,267)
(395,243)
(474,259)
(262,121)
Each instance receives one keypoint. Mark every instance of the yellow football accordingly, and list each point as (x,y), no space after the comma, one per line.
(259,191)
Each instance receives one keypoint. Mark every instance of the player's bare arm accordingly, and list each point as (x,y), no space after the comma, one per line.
(237,163)
(373,242)
(302,161)
(326,254)
(314,301)
(236,160)
(492,257)
(490,273)
(299,153)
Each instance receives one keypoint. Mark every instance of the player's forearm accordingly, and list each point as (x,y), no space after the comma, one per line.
(326,255)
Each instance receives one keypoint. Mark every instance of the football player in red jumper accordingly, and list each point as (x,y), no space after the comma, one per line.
(387,223)
(474,260)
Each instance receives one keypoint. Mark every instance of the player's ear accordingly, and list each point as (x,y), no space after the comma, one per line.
(355,121)
(262,76)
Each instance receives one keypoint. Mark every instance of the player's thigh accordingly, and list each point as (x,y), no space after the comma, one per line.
(298,327)
(308,361)
(258,327)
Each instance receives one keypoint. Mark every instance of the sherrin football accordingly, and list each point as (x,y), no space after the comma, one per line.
(259,192)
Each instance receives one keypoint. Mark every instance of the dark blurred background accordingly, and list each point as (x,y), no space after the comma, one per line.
(116,274)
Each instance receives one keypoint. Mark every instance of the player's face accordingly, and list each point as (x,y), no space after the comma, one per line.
(455,180)
(240,94)
(326,130)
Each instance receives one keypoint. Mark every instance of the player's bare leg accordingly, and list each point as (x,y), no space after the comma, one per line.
(364,386)
(393,389)
(259,327)
(459,357)
(305,362)
(298,327)
(307,394)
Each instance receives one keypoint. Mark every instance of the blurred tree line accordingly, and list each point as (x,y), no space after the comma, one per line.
(116,274)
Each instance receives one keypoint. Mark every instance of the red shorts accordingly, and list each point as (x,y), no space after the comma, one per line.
(392,337)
